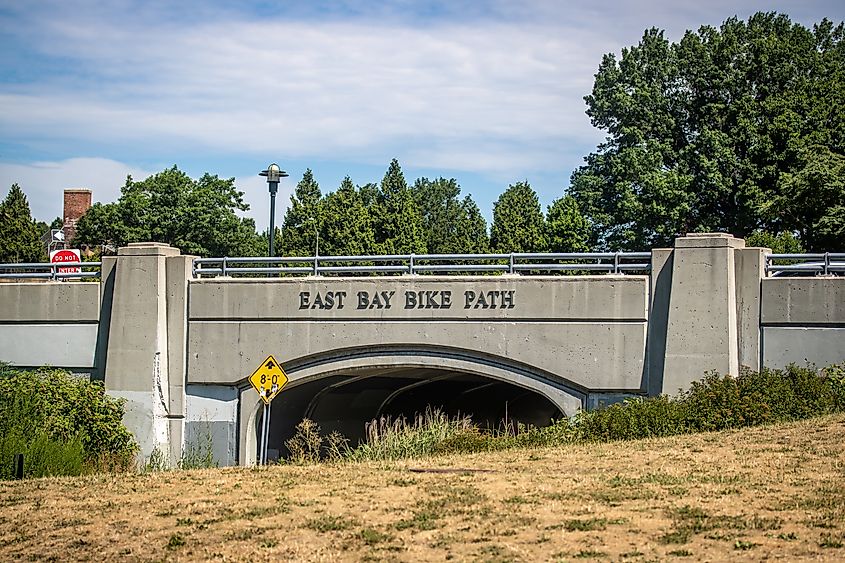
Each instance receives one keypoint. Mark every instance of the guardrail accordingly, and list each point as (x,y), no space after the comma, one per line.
(827,263)
(50,271)
(414,264)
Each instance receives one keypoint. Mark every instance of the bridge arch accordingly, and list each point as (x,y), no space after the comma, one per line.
(343,389)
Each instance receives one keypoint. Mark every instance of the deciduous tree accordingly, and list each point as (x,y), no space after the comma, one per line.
(718,132)
(197,216)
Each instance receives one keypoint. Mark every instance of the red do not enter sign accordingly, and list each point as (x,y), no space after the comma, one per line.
(67,255)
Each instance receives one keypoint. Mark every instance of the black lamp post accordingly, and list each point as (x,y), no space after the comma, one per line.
(273,174)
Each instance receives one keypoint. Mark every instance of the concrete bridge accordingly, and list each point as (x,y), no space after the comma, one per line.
(179,345)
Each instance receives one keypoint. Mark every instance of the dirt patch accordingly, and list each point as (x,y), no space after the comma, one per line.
(769,492)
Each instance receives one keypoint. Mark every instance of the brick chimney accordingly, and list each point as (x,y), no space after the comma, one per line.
(77,202)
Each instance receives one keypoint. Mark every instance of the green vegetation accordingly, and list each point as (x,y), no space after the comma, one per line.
(197,216)
(732,129)
(517,221)
(716,402)
(62,424)
(721,402)
(19,234)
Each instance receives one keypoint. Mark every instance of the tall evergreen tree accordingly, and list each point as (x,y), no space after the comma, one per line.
(440,213)
(398,226)
(347,224)
(19,234)
(302,219)
(517,221)
(566,230)
(471,231)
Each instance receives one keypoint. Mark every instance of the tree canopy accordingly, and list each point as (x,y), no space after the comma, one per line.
(197,216)
(566,229)
(449,224)
(347,229)
(302,219)
(732,129)
(19,234)
(398,225)
(518,224)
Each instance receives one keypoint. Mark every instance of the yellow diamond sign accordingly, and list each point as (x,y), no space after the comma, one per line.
(268,379)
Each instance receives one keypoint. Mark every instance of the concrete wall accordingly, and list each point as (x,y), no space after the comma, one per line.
(53,323)
(583,333)
(211,423)
(803,321)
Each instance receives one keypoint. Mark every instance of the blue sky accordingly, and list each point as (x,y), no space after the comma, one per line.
(488,92)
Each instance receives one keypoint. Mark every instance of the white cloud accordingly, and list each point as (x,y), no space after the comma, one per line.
(493,88)
(351,89)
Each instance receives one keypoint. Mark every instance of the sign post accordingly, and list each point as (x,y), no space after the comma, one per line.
(268,380)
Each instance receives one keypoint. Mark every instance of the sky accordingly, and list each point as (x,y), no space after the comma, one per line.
(489,92)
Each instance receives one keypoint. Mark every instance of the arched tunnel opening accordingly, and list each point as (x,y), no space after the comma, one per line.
(345,403)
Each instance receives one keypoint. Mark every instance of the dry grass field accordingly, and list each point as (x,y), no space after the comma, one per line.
(773,492)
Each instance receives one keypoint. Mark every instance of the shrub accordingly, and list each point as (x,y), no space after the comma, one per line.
(719,402)
(60,422)
(635,418)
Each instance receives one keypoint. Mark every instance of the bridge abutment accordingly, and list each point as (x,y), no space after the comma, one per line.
(146,357)
(179,349)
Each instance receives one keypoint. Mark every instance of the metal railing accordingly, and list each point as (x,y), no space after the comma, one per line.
(51,271)
(416,264)
(823,264)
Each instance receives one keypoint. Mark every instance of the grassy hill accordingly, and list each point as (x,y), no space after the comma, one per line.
(764,492)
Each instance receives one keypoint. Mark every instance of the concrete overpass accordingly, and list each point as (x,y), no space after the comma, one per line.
(178,343)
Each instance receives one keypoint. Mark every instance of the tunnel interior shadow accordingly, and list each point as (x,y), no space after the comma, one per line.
(345,403)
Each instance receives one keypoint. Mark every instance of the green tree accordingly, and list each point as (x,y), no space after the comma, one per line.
(439,207)
(197,216)
(398,228)
(19,234)
(566,230)
(780,243)
(471,231)
(706,134)
(347,224)
(302,219)
(517,221)
(449,224)
(813,198)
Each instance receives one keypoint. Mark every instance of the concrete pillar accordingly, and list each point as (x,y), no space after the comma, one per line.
(660,289)
(178,271)
(750,271)
(146,344)
(701,327)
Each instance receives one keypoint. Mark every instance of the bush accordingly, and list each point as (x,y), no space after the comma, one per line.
(632,419)
(719,402)
(62,424)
